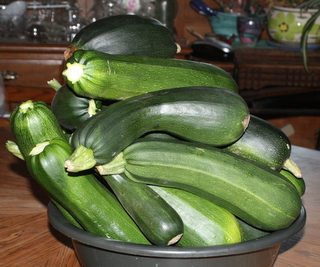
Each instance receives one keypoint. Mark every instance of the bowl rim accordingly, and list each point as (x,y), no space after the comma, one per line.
(60,223)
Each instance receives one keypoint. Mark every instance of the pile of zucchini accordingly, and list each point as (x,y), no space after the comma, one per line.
(143,148)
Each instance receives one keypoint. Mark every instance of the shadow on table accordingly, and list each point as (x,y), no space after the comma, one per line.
(290,243)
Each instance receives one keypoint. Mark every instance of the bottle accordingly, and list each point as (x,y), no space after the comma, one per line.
(166,12)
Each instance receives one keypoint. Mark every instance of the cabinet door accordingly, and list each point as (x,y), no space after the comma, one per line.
(34,66)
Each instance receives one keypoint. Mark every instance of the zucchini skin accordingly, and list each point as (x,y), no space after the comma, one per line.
(253,192)
(90,203)
(159,222)
(72,110)
(299,183)
(33,122)
(249,232)
(205,223)
(99,75)
(126,35)
(264,143)
(184,112)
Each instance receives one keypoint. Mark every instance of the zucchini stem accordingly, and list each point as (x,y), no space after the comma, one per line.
(292,167)
(39,148)
(92,109)
(73,72)
(54,84)
(26,106)
(14,149)
(116,166)
(81,159)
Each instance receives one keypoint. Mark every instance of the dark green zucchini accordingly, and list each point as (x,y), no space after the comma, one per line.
(264,143)
(126,35)
(159,222)
(89,202)
(99,75)
(205,224)
(32,123)
(72,110)
(253,192)
(215,116)
(249,232)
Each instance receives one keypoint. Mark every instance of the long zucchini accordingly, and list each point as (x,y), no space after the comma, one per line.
(264,143)
(210,115)
(33,122)
(253,192)
(159,222)
(88,201)
(99,75)
(205,224)
(126,35)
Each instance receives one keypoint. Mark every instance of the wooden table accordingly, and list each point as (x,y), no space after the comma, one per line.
(27,239)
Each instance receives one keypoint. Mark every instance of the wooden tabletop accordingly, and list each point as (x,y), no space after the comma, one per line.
(27,239)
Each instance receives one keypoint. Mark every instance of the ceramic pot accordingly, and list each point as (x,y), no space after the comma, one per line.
(93,251)
(285,25)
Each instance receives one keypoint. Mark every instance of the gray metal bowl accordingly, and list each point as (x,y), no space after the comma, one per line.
(93,251)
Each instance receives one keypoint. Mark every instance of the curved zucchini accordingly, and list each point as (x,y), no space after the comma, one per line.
(253,192)
(90,203)
(32,123)
(205,224)
(210,115)
(264,143)
(159,222)
(99,75)
(126,35)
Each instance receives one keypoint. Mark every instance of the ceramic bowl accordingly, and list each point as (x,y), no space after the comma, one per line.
(93,251)
(285,25)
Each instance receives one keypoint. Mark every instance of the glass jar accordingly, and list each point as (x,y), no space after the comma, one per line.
(166,12)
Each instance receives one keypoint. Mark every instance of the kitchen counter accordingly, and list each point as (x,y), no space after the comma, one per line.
(27,239)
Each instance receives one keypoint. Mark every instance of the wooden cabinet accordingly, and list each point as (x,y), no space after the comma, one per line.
(267,71)
(34,65)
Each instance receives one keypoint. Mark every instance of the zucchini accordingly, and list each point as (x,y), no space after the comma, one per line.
(211,115)
(253,192)
(32,123)
(67,214)
(249,232)
(91,204)
(264,143)
(159,222)
(205,224)
(299,183)
(14,149)
(99,75)
(126,35)
(72,110)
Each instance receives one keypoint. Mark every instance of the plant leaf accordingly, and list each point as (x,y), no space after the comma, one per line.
(304,38)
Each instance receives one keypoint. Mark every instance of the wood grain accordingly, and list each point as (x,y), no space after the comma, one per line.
(27,239)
